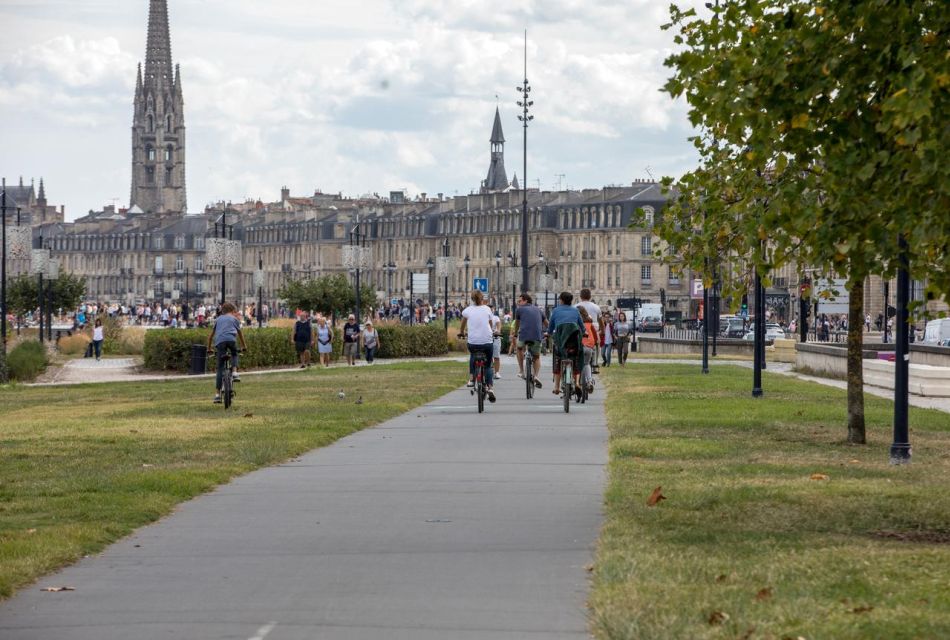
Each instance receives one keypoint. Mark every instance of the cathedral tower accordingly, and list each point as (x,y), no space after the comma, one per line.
(158,123)
(497,179)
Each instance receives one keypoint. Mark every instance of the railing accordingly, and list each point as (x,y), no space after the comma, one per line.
(682,334)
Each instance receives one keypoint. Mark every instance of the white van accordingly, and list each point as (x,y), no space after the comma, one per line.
(938,332)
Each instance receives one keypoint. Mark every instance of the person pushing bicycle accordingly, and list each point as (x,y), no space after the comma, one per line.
(224,338)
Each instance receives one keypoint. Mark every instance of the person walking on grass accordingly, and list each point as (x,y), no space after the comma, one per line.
(370,339)
(98,337)
(351,340)
(302,338)
(225,337)
(324,340)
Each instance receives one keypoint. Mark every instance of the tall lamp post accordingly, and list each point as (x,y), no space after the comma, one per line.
(525,104)
(444,265)
(3,278)
(900,447)
(430,265)
(358,242)
(468,283)
(259,281)
(497,275)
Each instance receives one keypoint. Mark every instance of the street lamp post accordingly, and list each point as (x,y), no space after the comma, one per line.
(468,283)
(260,289)
(445,286)
(525,118)
(430,265)
(900,447)
(3,277)
(759,334)
(497,274)
(513,259)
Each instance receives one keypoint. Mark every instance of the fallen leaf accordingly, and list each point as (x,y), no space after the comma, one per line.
(147,466)
(819,476)
(864,609)
(718,617)
(31,530)
(764,594)
(57,589)
(248,415)
(655,497)
(721,578)
(589,568)
(854,461)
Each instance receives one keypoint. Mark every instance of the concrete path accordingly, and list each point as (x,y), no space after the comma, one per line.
(439,524)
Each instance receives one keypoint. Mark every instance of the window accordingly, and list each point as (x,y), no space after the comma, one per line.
(200,243)
(151,123)
(179,264)
(674,277)
(646,246)
(159,268)
(199,263)
(150,153)
(646,273)
(648,216)
(150,175)
(168,123)
(168,153)
(179,242)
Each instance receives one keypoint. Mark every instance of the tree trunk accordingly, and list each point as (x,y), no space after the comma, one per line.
(855,364)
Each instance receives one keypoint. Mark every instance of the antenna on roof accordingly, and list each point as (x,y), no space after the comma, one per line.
(650,173)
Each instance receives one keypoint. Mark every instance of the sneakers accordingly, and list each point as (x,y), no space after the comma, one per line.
(470,384)
(491,395)
(537,383)
(521,375)
(303,366)
(497,376)
(217,398)
(236,377)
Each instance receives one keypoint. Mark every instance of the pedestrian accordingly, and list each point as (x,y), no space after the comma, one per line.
(593,310)
(351,340)
(324,341)
(98,337)
(621,334)
(302,338)
(496,343)
(370,338)
(607,337)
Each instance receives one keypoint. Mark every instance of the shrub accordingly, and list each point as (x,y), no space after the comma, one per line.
(73,345)
(170,349)
(26,361)
(113,334)
(403,341)
(281,323)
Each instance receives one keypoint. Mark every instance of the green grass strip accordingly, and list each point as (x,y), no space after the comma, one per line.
(82,466)
(772,527)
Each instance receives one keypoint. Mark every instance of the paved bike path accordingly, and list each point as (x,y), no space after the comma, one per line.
(439,524)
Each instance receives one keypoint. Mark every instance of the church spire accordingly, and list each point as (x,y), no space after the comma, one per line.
(42,194)
(497,135)
(158,51)
(497,179)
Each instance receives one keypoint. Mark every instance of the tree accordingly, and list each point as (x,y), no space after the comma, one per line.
(841,107)
(23,292)
(329,295)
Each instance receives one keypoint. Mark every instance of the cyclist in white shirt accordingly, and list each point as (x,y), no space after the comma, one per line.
(593,311)
(477,318)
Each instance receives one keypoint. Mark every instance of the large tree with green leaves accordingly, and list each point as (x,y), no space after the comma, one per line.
(23,295)
(822,128)
(330,295)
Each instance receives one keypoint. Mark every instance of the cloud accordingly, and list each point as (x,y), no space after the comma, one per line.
(402,96)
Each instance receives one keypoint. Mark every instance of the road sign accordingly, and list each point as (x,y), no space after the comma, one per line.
(480,284)
(697,290)
(420,282)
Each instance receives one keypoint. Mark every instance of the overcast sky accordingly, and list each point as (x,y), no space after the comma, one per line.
(357,96)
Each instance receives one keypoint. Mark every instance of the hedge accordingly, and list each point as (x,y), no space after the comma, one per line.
(170,349)
(26,361)
(403,341)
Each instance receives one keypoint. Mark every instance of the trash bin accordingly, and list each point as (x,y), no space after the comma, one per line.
(199,359)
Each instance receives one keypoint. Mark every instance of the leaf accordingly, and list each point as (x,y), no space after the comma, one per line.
(57,589)
(819,476)
(764,594)
(718,617)
(800,121)
(655,497)
(721,578)
(248,415)
(864,609)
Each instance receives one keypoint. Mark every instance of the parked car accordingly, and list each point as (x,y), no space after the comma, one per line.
(733,328)
(774,331)
(651,324)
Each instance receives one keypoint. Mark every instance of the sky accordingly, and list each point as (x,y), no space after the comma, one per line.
(351,96)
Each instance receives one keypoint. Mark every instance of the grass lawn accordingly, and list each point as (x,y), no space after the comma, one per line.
(82,466)
(773,526)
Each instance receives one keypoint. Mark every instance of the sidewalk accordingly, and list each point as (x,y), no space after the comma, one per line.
(439,524)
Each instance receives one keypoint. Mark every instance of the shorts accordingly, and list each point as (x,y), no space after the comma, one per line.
(301,347)
(534,346)
(496,348)
(351,349)
(556,362)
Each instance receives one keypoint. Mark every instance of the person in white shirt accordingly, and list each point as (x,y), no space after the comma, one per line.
(477,318)
(593,311)
(496,343)
(98,336)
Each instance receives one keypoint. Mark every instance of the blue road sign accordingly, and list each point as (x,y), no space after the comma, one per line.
(481,284)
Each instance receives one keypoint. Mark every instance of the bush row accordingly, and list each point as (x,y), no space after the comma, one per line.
(26,361)
(170,349)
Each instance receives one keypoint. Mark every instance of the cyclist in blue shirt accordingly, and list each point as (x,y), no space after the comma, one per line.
(564,314)
(224,338)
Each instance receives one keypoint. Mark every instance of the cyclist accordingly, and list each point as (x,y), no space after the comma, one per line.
(529,325)
(590,340)
(594,311)
(224,337)
(477,317)
(565,322)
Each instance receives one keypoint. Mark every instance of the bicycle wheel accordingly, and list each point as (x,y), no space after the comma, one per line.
(529,376)
(567,385)
(227,388)
(480,391)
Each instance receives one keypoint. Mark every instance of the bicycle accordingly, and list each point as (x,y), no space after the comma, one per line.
(227,380)
(529,372)
(567,382)
(480,390)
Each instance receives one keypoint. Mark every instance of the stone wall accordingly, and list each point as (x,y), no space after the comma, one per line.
(724,346)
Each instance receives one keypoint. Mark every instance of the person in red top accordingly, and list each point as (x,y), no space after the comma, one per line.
(590,340)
